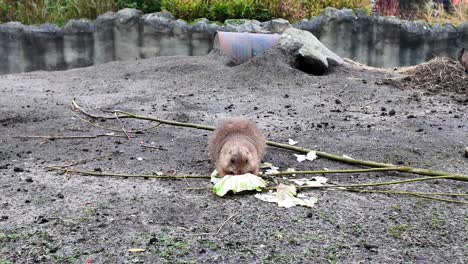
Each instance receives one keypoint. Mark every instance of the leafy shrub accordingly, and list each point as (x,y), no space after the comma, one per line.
(89,8)
(52,11)
(220,10)
(314,7)
(147,6)
(262,10)
(186,9)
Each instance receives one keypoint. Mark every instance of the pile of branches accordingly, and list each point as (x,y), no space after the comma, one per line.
(435,76)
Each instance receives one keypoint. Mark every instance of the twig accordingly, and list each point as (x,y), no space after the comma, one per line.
(70,137)
(198,188)
(219,229)
(294,148)
(92,173)
(153,147)
(406,169)
(412,193)
(121,125)
(417,194)
(285,173)
(375,183)
(96,125)
(115,129)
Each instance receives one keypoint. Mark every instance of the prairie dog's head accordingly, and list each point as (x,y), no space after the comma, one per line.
(236,158)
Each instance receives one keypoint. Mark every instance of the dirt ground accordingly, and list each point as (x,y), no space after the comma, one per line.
(48,217)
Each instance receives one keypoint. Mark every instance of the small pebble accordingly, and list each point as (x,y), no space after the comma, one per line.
(18,169)
(41,220)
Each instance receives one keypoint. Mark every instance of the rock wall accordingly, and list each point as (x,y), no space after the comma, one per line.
(384,41)
(129,34)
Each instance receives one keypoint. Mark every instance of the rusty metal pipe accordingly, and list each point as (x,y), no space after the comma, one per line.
(243,46)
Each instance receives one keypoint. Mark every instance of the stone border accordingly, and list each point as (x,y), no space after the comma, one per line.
(129,34)
(385,41)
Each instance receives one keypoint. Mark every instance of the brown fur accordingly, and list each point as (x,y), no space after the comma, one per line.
(462,57)
(237,147)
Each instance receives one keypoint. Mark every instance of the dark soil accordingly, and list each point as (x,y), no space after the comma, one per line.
(47,217)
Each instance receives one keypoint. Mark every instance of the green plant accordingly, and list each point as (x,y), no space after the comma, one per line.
(89,8)
(186,9)
(397,231)
(147,6)
(314,7)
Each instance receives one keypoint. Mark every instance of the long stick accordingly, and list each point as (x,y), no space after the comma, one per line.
(406,169)
(322,154)
(70,137)
(285,173)
(376,183)
(417,194)
(404,192)
(93,173)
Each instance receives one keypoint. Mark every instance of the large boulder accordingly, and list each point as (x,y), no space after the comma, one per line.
(311,55)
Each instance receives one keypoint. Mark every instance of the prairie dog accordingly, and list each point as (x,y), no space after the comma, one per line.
(237,147)
(462,57)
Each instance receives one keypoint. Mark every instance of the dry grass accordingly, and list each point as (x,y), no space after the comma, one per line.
(440,16)
(440,74)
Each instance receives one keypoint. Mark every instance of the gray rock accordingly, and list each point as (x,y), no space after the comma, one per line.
(79,26)
(104,45)
(78,43)
(11,52)
(463,33)
(165,14)
(127,34)
(201,25)
(129,15)
(157,24)
(42,48)
(244,25)
(314,25)
(310,51)
(278,25)
(203,33)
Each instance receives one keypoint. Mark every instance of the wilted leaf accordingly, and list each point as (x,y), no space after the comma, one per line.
(273,170)
(238,183)
(285,197)
(292,142)
(310,156)
(266,165)
(136,250)
(291,170)
(300,158)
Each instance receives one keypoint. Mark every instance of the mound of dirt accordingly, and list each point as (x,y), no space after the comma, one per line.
(435,76)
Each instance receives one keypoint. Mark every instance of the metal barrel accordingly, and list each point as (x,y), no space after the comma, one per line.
(243,46)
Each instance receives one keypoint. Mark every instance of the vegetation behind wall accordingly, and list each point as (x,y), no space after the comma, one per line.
(60,11)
